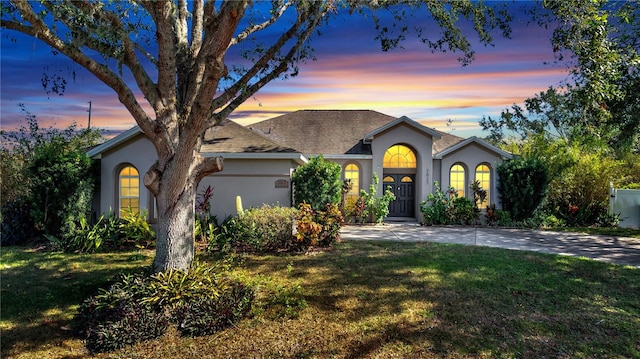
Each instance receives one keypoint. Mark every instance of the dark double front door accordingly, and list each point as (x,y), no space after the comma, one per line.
(403,187)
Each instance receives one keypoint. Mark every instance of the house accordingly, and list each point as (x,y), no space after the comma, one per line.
(259,160)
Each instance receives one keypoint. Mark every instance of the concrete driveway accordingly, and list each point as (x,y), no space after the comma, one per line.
(619,250)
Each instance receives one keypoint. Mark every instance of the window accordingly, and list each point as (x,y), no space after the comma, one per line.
(457,179)
(483,174)
(399,156)
(129,190)
(352,172)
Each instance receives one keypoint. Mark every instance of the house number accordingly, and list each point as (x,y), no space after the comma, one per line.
(282,183)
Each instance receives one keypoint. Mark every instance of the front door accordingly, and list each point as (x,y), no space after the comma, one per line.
(403,187)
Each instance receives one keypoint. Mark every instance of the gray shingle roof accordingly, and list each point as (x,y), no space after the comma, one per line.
(333,132)
(230,137)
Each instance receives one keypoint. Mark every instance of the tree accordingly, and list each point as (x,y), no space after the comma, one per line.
(47,171)
(174,53)
(599,42)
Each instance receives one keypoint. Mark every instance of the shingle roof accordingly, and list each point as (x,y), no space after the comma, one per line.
(333,132)
(445,142)
(329,132)
(230,137)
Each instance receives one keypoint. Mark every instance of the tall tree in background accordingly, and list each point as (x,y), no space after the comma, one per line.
(173,56)
(599,42)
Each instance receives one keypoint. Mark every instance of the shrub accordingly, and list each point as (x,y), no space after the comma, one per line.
(307,230)
(80,237)
(205,224)
(135,229)
(523,186)
(461,211)
(139,307)
(447,208)
(48,169)
(318,228)
(17,226)
(264,229)
(207,315)
(434,208)
(116,317)
(317,183)
(376,207)
(331,220)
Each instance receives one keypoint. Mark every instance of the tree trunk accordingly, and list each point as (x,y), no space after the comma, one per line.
(175,241)
(175,192)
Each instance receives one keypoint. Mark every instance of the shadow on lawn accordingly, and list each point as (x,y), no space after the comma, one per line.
(40,290)
(441,299)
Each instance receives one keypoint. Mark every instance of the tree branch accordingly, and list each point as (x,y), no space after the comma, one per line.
(240,92)
(255,28)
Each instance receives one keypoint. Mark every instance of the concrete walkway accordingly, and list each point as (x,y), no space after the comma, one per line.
(619,250)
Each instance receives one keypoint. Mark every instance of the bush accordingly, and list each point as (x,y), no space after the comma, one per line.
(139,307)
(207,315)
(80,238)
(461,211)
(443,208)
(135,229)
(318,228)
(116,317)
(17,226)
(317,183)
(434,208)
(523,186)
(264,229)
(50,171)
(375,207)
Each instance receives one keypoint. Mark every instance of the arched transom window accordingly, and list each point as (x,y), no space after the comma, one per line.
(399,156)
(457,179)
(352,172)
(483,174)
(129,190)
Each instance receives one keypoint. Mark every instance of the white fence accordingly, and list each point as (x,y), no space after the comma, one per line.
(626,202)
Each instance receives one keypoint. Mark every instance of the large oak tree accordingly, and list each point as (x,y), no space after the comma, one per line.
(172,55)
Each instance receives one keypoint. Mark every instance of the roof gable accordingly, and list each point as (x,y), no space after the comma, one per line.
(402,120)
(469,141)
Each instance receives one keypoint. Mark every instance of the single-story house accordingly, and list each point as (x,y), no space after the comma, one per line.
(259,160)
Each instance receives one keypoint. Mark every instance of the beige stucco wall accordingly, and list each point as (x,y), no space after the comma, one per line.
(470,157)
(421,143)
(253,180)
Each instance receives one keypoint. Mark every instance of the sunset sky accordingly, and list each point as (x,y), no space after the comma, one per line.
(351,72)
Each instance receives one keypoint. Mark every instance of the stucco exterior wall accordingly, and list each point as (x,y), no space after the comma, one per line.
(470,157)
(253,180)
(421,144)
(138,152)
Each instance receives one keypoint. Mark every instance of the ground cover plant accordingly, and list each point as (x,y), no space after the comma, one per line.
(358,299)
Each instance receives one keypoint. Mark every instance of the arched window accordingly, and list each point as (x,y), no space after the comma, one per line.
(352,172)
(129,190)
(457,179)
(483,174)
(399,156)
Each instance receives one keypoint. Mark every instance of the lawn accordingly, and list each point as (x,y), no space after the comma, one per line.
(365,300)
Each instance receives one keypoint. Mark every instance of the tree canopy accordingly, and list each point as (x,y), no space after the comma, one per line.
(599,43)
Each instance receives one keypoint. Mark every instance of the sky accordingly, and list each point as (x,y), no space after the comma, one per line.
(351,72)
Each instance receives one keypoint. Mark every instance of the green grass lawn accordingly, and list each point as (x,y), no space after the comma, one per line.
(365,300)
